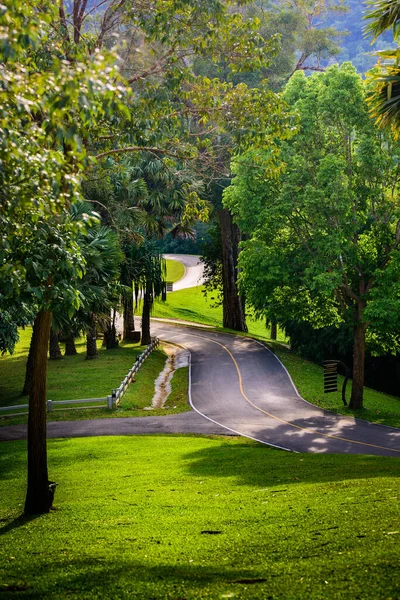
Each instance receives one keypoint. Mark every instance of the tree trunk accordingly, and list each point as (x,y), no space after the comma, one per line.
(110,337)
(110,334)
(233,305)
(147,304)
(70,349)
(91,346)
(104,328)
(129,319)
(54,346)
(356,400)
(39,496)
(274,330)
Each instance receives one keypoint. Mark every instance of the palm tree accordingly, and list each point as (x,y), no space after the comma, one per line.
(384,14)
(144,198)
(99,286)
(148,277)
(384,79)
(128,270)
(159,199)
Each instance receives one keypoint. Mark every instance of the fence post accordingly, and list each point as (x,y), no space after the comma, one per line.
(110,402)
(49,405)
(114,398)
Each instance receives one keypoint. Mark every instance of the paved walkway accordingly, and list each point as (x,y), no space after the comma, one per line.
(189,422)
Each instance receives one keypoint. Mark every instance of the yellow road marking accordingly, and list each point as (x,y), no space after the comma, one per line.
(314,431)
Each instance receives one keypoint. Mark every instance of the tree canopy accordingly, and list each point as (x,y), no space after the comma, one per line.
(324,225)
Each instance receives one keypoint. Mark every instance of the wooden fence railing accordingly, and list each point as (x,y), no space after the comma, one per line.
(110,402)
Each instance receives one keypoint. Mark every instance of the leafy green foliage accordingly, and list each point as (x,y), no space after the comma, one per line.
(177,113)
(324,228)
(47,108)
(383,15)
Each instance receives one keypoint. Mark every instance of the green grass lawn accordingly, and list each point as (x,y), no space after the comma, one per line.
(175,270)
(190,517)
(193,305)
(69,378)
(73,377)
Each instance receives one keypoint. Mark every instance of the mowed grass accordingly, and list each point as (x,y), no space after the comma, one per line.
(73,377)
(194,305)
(69,378)
(189,517)
(175,270)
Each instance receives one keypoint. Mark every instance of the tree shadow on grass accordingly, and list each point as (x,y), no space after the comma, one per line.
(256,465)
(19,521)
(98,577)
(104,577)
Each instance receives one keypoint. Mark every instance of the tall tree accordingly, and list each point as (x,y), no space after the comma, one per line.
(325,232)
(46,108)
(170,204)
(198,118)
(309,39)
(99,287)
(305,44)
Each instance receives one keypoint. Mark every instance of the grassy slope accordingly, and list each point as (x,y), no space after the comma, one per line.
(308,378)
(192,305)
(147,517)
(175,270)
(74,377)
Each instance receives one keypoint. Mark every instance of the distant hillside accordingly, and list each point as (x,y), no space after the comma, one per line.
(356,46)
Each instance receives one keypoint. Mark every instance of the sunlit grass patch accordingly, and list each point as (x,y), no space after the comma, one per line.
(193,304)
(175,270)
(192,517)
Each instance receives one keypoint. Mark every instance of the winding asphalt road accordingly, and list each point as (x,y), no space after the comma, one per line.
(238,386)
(194,270)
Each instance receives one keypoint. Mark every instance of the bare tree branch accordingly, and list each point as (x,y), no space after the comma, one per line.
(63,20)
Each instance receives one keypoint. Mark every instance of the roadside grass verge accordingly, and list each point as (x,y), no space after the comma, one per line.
(194,517)
(73,377)
(175,270)
(137,400)
(308,378)
(191,304)
(177,401)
